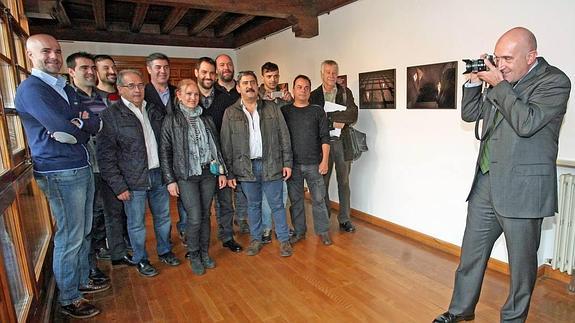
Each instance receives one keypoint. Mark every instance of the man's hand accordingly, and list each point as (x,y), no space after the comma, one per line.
(287,96)
(286,171)
(338,125)
(84,115)
(232,183)
(493,75)
(222,181)
(174,189)
(323,168)
(124,196)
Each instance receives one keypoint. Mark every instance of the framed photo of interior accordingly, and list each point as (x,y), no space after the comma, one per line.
(432,86)
(377,90)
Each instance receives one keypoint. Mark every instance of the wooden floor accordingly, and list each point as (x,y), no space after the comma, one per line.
(369,276)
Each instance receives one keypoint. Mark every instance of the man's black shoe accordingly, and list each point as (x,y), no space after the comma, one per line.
(347,227)
(146,269)
(452,318)
(170,259)
(93,287)
(233,245)
(80,309)
(124,261)
(98,276)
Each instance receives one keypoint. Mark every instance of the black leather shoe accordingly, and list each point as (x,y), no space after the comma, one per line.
(80,309)
(146,269)
(233,245)
(93,287)
(170,259)
(124,261)
(347,227)
(452,318)
(98,276)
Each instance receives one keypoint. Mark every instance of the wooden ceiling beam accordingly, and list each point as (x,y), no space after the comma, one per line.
(305,26)
(204,22)
(86,34)
(176,14)
(232,25)
(268,8)
(139,16)
(60,14)
(99,8)
(261,31)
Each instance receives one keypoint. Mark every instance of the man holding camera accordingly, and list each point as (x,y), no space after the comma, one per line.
(515,184)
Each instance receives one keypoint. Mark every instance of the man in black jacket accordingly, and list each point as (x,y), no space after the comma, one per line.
(338,121)
(127,151)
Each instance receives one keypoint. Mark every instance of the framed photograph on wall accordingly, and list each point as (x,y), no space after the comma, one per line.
(432,86)
(377,90)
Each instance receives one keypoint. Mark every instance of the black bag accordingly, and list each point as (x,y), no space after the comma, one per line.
(357,142)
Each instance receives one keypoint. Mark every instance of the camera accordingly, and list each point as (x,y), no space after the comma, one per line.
(477,65)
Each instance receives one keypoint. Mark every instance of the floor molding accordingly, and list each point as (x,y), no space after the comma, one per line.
(493,264)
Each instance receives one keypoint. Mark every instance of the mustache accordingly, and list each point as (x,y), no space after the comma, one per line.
(250,90)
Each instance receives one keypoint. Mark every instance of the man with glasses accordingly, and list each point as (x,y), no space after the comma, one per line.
(129,162)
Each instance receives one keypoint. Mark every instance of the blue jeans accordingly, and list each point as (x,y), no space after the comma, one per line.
(159,201)
(70,194)
(267,211)
(273,191)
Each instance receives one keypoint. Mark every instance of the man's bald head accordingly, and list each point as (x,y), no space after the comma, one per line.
(45,53)
(515,53)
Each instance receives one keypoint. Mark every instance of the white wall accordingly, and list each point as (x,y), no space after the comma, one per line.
(69,47)
(420,164)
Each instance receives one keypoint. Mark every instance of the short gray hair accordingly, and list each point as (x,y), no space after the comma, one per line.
(123,73)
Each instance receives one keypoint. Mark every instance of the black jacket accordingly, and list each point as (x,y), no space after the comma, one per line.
(121,149)
(174,150)
(152,96)
(222,100)
(349,116)
(276,143)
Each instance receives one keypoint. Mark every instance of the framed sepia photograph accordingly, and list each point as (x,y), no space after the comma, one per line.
(377,90)
(432,86)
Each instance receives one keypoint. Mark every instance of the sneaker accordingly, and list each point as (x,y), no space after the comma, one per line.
(296,237)
(80,309)
(267,236)
(254,248)
(244,227)
(197,266)
(103,254)
(170,259)
(146,269)
(347,227)
(325,239)
(285,249)
(94,287)
(207,261)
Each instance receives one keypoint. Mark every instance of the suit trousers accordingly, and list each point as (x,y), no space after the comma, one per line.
(482,229)
(342,169)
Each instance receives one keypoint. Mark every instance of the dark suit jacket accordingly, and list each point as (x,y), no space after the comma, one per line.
(152,96)
(523,143)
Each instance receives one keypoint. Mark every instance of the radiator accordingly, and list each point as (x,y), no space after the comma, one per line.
(564,251)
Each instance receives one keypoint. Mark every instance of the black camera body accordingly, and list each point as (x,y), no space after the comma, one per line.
(477,65)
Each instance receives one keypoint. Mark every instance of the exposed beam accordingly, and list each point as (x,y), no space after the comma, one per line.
(173,19)
(60,14)
(204,22)
(139,16)
(233,24)
(99,8)
(305,26)
(261,31)
(84,33)
(323,6)
(268,8)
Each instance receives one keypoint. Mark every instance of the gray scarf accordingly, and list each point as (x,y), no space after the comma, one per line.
(198,140)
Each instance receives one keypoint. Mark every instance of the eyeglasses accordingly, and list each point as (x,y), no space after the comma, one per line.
(132,86)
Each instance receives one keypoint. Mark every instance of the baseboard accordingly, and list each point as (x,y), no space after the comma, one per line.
(493,264)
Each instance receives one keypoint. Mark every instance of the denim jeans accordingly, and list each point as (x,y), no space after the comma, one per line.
(159,201)
(273,191)
(196,194)
(342,169)
(182,216)
(70,194)
(225,210)
(98,232)
(267,211)
(116,223)
(316,187)
(241,203)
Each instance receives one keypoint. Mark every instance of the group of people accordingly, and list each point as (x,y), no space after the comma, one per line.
(107,144)
(244,144)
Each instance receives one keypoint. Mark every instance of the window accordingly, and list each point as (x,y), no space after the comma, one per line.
(17,143)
